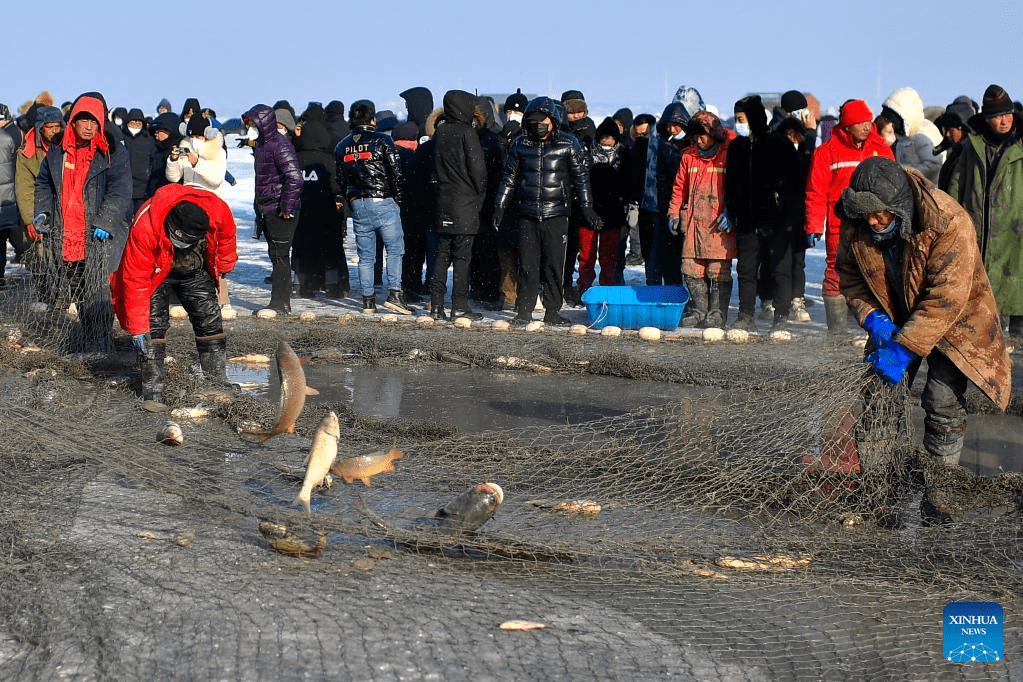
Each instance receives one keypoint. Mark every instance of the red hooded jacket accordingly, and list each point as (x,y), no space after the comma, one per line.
(832,165)
(148,255)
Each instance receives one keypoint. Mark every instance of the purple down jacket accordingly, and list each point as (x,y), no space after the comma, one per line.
(278,175)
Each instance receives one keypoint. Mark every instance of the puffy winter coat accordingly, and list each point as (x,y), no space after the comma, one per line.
(8,204)
(368,166)
(210,169)
(996,206)
(945,288)
(542,176)
(832,165)
(141,148)
(765,185)
(461,167)
(318,236)
(107,195)
(149,254)
(278,176)
(610,175)
(914,149)
(698,199)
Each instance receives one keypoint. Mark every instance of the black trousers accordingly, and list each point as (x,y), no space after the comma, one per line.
(944,406)
(770,251)
(542,245)
(452,249)
(197,293)
(279,234)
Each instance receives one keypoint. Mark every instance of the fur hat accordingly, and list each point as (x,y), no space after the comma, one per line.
(362,112)
(879,184)
(854,111)
(996,102)
(186,224)
(516,101)
(574,102)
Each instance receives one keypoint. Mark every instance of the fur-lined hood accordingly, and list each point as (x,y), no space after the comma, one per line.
(431,120)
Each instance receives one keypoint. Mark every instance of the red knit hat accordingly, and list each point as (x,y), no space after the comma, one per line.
(854,111)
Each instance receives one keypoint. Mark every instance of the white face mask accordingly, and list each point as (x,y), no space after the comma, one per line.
(889,140)
(197,142)
(514,116)
(742,129)
(607,148)
(118,121)
(134,131)
(282,131)
(252,133)
(679,136)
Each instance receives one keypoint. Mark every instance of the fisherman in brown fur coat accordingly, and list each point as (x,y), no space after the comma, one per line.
(911,270)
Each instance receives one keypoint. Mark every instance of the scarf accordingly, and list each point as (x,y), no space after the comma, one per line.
(75,173)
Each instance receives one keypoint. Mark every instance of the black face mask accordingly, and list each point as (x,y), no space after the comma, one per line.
(537,130)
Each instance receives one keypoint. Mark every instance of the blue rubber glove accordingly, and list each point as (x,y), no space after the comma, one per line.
(880,327)
(673,225)
(891,361)
(100,234)
(811,240)
(139,342)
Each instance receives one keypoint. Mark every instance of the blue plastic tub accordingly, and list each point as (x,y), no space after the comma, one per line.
(632,307)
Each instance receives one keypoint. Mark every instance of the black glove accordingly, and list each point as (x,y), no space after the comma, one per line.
(498,217)
(592,219)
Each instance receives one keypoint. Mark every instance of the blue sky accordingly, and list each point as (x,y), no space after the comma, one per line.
(234,55)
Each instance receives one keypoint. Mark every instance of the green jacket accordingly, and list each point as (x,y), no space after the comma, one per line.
(26,170)
(997,214)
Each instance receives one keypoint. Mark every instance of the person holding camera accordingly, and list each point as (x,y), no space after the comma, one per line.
(201,158)
(183,241)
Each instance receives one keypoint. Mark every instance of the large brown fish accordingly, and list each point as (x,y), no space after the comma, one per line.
(363,467)
(321,457)
(293,393)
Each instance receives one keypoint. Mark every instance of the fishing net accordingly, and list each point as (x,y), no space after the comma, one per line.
(764,525)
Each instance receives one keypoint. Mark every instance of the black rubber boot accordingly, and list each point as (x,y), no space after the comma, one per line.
(837,312)
(696,312)
(719,295)
(151,364)
(213,358)
(396,303)
(369,305)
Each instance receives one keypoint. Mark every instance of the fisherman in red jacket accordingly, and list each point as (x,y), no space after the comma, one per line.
(853,140)
(182,240)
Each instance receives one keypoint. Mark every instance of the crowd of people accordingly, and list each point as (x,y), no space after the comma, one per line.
(528,199)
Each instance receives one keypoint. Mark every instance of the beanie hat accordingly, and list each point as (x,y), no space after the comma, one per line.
(362,112)
(793,100)
(996,102)
(516,101)
(854,111)
(574,102)
(186,224)
(197,126)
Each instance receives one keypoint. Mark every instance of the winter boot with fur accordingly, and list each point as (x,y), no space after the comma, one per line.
(696,311)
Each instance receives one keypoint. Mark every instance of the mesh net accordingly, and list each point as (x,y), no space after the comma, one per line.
(763,526)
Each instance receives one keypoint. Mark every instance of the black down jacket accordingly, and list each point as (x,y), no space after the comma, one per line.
(542,175)
(368,166)
(460,166)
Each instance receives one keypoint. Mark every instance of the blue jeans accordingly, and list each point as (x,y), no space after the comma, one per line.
(371,217)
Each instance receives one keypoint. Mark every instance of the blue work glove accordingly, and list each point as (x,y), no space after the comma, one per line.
(41,223)
(673,225)
(811,240)
(891,361)
(100,234)
(723,223)
(880,327)
(139,342)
